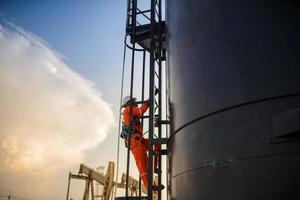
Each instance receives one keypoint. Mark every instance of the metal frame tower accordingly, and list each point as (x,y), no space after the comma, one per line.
(147,33)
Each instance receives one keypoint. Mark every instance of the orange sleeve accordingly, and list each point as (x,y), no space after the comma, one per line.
(139,111)
(144,108)
(125,116)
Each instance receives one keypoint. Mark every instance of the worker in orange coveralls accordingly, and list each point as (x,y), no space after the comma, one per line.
(138,144)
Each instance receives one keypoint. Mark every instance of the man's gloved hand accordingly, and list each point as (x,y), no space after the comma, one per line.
(156,91)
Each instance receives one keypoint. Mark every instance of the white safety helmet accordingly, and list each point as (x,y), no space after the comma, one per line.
(126,100)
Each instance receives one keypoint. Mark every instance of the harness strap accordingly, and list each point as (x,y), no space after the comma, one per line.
(136,137)
(125,131)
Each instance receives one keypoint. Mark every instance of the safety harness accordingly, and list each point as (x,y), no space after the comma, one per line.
(131,130)
(125,133)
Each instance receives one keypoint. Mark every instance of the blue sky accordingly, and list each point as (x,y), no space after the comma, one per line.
(89,33)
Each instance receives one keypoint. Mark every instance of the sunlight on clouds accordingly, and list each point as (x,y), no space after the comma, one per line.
(49,114)
(50,67)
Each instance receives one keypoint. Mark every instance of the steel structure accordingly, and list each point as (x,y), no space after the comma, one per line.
(145,29)
(90,175)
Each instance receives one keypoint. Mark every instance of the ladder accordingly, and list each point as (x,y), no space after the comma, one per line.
(146,31)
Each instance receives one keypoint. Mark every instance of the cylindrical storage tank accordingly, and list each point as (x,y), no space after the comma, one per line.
(234,72)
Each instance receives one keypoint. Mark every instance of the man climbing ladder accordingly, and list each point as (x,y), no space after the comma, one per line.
(131,125)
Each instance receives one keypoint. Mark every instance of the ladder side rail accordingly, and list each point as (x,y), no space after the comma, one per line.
(143,99)
(129,14)
(134,2)
(151,104)
(160,99)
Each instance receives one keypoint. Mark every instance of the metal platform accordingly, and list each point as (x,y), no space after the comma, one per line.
(143,34)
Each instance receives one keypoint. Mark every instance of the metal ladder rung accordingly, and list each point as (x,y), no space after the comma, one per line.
(164,152)
(158,122)
(159,141)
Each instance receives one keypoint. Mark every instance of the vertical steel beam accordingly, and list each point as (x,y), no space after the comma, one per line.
(69,182)
(134,2)
(92,188)
(160,94)
(151,102)
(86,191)
(128,13)
(143,98)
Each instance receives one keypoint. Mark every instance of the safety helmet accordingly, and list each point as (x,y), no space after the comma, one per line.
(126,100)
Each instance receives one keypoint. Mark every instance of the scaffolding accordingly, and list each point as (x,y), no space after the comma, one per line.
(146,31)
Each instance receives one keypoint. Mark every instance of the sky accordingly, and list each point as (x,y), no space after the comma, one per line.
(60,76)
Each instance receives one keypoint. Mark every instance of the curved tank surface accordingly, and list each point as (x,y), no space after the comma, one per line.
(234,92)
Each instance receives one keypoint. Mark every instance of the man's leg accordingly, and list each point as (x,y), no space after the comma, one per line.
(157,149)
(140,155)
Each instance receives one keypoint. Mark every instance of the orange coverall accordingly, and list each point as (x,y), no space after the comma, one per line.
(138,144)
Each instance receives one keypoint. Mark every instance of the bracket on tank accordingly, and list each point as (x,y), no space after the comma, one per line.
(159,122)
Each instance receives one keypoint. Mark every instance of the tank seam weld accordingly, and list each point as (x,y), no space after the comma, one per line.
(230,108)
(224,162)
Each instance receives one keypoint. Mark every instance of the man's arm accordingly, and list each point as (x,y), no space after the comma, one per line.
(140,111)
(144,108)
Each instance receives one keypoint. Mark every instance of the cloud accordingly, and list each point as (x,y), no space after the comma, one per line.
(49,114)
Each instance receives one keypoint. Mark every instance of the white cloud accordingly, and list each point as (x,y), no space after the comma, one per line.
(49,114)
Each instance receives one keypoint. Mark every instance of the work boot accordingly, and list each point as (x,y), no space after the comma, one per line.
(158,187)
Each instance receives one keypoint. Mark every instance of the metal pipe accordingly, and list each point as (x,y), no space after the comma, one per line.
(133,48)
